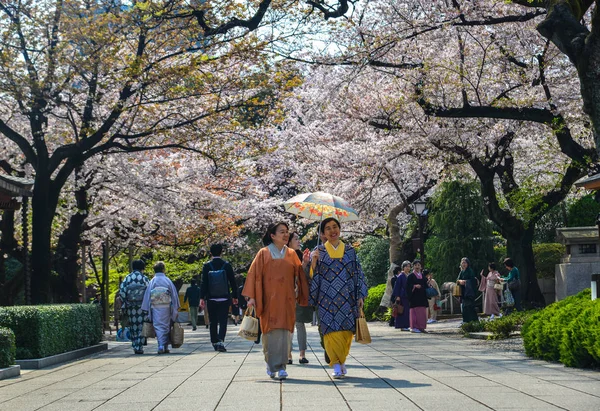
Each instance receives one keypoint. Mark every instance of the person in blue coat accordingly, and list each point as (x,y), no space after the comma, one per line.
(400,296)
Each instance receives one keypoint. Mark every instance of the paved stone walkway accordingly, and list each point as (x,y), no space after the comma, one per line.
(398,371)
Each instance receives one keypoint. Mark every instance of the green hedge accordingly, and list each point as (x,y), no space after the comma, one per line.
(372,301)
(500,327)
(7,347)
(44,330)
(567,331)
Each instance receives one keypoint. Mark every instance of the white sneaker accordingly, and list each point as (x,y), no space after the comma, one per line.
(337,372)
(492,317)
(343,369)
(415,330)
(429,321)
(500,315)
(282,375)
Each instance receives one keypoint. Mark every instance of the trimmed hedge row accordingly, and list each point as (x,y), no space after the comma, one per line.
(7,347)
(500,327)
(44,330)
(567,331)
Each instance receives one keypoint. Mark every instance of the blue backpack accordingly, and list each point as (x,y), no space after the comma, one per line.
(217,282)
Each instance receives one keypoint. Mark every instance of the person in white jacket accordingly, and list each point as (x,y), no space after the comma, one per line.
(161,303)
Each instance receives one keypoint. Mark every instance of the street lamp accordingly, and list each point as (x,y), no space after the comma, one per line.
(421,211)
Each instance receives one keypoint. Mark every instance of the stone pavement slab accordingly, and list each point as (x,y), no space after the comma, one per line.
(398,370)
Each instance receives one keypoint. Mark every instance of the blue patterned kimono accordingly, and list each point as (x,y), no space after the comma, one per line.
(335,287)
(132,291)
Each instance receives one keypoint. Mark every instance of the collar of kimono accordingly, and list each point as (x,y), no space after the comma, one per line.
(335,252)
(418,275)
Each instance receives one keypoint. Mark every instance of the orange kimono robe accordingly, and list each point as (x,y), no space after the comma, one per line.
(272,283)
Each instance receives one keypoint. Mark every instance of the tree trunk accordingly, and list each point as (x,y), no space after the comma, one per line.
(43,205)
(519,247)
(67,252)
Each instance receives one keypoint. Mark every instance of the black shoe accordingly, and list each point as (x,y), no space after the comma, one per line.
(138,351)
(303,361)
(221,348)
(290,361)
(193,328)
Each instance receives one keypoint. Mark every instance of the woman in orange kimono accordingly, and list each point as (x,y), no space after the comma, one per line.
(274,283)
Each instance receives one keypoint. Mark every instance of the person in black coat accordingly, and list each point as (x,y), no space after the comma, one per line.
(416,284)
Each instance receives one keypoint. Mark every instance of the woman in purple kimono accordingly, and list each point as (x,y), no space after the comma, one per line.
(400,297)
(161,302)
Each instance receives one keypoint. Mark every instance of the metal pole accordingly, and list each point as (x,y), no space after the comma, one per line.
(25,233)
(83,274)
(105,283)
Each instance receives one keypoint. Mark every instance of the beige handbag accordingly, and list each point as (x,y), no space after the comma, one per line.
(148,330)
(362,330)
(176,335)
(249,326)
(498,286)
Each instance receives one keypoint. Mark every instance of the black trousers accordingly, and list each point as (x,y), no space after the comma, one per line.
(218,312)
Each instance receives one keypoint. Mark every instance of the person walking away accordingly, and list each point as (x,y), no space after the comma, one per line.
(274,284)
(416,285)
(395,273)
(337,290)
(161,303)
(303,314)
(400,296)
(192,296)
(490,298)
(217,291)
(433,307)
(514,276)
(468,284)
(132,291)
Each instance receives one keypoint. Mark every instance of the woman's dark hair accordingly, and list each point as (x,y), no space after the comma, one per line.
(466,260)
(417,261)
(509,262)
(492,266)
(397,269)
(324,223)
(138,265)
(426,272)
(292,234)
(272,230)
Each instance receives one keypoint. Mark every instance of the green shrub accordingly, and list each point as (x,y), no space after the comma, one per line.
(45,330)
(503,327)
(7,347)
(374,256)
(546,256)
(472,327)
(372,301)
(566,331)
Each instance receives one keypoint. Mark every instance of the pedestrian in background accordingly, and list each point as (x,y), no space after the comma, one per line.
(490,297)
(217,292)
(161,303)
(131,292)
(513,281)
(469,287)
(416,285)
(400,296)
(433,301)
(192,296)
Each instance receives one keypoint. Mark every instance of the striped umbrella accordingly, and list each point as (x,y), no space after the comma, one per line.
(318,206)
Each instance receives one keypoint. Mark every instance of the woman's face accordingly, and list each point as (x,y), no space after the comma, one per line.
(463,264)
(332,231)
(281,236)
(294,243)
(407,269)
(417,267)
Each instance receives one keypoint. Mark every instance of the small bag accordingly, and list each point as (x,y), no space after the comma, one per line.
(456,291)
(498,287)
(249,326)
(362,330)
(176,335)
(509,300)
(148,330)
(431,292)
(397,309)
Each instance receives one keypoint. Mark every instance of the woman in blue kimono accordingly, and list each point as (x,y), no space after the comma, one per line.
(337,290)
(132,291)
(400,296)
(161,302)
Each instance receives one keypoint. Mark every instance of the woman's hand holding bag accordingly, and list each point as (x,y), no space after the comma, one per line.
(249,326)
